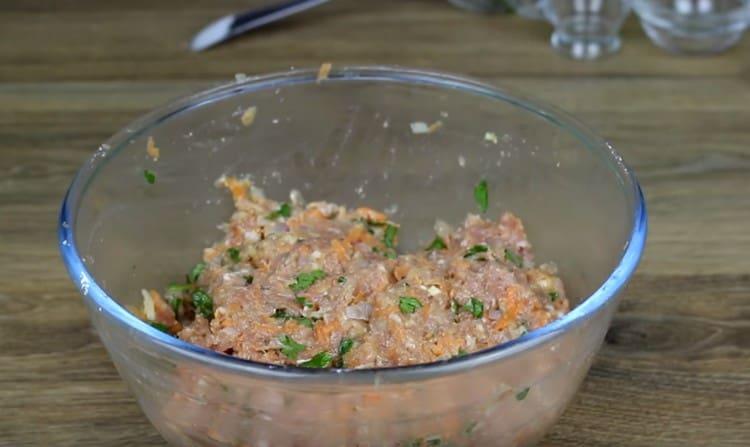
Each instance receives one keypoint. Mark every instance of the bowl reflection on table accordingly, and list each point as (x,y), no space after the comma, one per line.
(348,140)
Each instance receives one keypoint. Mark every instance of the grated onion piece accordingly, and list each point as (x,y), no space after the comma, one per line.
(148,305)
(248,117)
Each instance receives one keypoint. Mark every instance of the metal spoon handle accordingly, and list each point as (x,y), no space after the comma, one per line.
(233,25)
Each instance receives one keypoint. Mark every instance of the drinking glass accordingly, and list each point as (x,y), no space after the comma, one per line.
(586,29)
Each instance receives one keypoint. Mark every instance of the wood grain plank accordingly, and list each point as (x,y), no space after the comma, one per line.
(90,40)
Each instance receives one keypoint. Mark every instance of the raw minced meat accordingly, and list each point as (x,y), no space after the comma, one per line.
(320,285)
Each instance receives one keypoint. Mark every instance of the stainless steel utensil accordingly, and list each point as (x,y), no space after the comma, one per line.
(233,25)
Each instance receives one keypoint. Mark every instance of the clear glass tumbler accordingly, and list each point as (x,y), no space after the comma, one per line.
(586,29)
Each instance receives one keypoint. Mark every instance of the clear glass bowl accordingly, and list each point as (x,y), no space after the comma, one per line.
(348,139)
(694,26)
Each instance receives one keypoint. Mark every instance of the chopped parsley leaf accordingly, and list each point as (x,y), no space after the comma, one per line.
(461,352)
(346,345)
(319,360)
(304,280)
(175,304)
(203,303)
(408,304)
(514,258)
(291,348)
(390,234)
(437,244)
(303,301)
(476,249)
(475,307)
(159,326)
(553,295)
(304,321)
(234,254)
(149,176)
(249,279)
(178,289)
(282,314)
(522,394)
(195,273)
(341,279)
(285,210)
(481,196)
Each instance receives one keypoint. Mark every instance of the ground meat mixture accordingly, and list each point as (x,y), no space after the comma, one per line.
(319,285)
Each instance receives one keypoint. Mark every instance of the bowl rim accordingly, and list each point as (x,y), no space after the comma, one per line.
(655,12)
(98,298)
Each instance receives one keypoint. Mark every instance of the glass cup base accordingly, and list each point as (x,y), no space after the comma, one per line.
(585,47)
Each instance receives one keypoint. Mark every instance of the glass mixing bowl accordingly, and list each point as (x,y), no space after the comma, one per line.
(694,26)
(348,139)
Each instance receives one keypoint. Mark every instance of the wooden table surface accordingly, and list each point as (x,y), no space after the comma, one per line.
(675,368)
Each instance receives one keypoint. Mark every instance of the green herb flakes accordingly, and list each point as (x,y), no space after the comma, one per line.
(234,254)
(346,345)
(195,273)
(304,321)
(203,303)
(341,280)
(304,280)
(285,210)
(149,176)
(320,360)
(437,244)
(249,279)
(470,428)
(522,394)
(303,301)
(481,196)
(461,353)
(408,304)
(513,258)
(281,314)
(553,295)
(474,307)
(159,326)
(476,249)
(390,235)
(290,348)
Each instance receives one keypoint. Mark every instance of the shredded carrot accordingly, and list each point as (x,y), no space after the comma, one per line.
(323,331)
(151,149)
(400,271)
(371,215)
(359,234)
(512,308)
(340,248)
(238,188)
